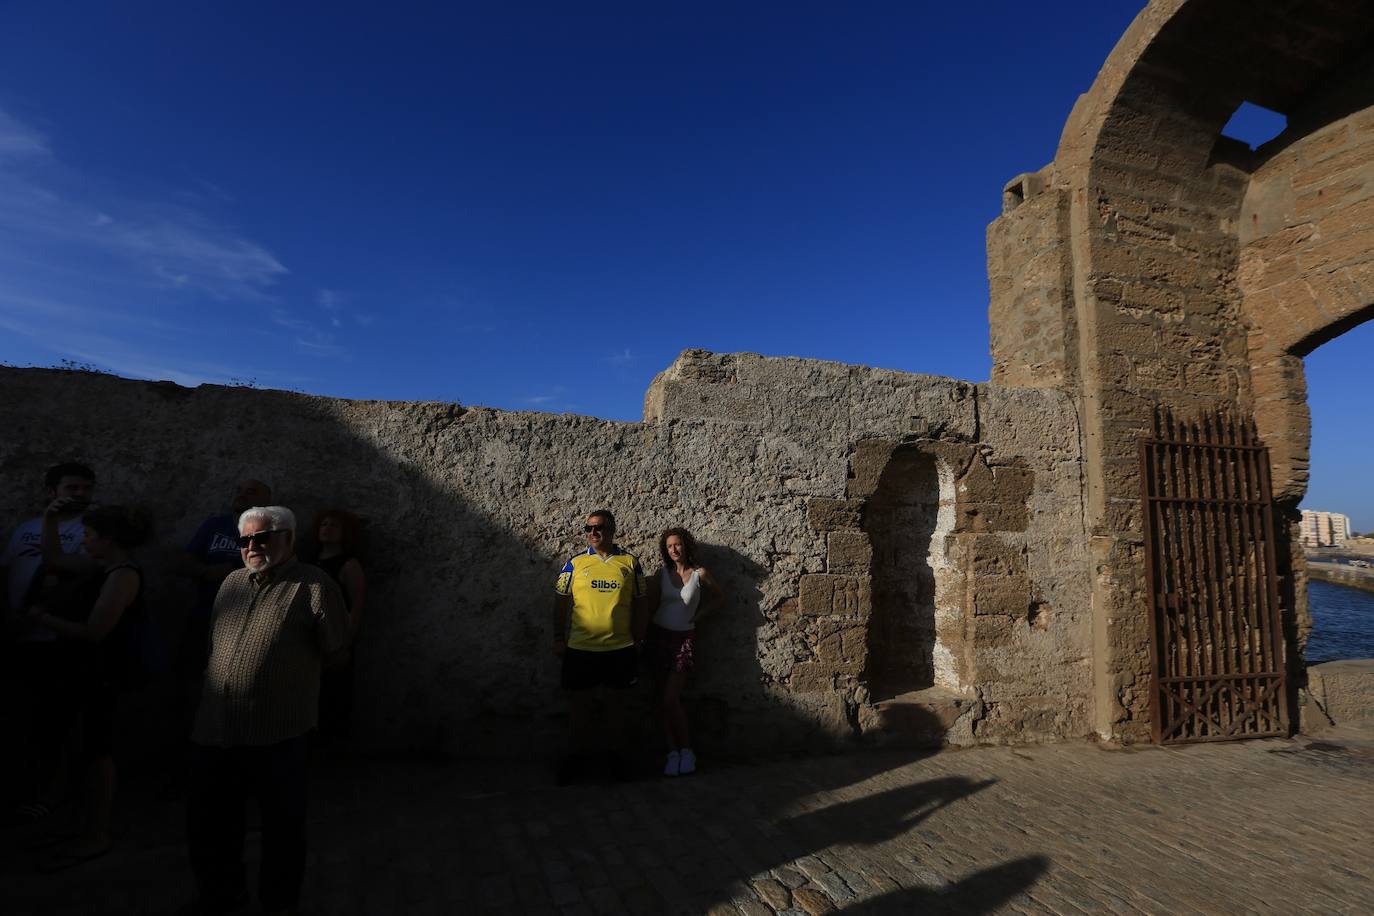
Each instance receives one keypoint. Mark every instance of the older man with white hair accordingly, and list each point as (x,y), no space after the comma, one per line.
(274,623)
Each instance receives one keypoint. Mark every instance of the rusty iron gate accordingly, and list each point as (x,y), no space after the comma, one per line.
(1216,647)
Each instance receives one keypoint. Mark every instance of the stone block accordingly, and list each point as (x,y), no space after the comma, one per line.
(826,515)
(1355,246)
(1332,167)
(1345,691)
(839,596)
(848,553)
(811,677)
(867,462)
(988,517)
(1314,203)
(846,646)
(1001,595)
(1358,215)
(991,631)
(981,555)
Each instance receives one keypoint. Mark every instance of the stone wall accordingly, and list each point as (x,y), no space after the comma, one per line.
(1306,267)
(772,464)
(1175,266)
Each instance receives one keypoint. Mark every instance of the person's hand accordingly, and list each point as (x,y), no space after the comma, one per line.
(560,645)
(70,505)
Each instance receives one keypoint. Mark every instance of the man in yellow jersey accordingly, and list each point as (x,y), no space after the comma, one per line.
(598,617)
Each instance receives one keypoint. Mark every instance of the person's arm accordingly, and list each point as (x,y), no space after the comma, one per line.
(118,592)
(331,620)
(11,553)
(355,587)
(639,606)
(50,544)
(712,599)
(562,606)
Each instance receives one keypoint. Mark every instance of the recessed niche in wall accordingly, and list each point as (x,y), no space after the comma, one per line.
(901,519)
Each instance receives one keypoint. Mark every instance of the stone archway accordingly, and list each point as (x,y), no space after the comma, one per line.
(1147,264)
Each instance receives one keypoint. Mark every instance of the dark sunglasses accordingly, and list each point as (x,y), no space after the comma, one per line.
(259,538)
(601,528)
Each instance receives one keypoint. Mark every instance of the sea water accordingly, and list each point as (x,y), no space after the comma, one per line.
(1342,622)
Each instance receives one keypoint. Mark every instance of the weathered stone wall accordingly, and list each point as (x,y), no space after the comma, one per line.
(770,463)
(1306,267)
(1005,552)
(1172,290)
(1033,327)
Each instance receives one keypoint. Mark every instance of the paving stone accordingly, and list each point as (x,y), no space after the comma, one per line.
(752,908)
(789,876)
(564,893)
(812,867)
(813,901)
(835,887)
(604,900)
(773,893)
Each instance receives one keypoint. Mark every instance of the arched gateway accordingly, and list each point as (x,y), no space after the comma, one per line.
(1156,263)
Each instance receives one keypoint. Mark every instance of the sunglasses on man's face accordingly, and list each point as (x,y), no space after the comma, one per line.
(258,538)
(600,529)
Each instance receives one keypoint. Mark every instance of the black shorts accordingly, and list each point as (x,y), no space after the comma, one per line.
(583,670)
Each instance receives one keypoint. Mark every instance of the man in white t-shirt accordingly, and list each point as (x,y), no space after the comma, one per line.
(73,484)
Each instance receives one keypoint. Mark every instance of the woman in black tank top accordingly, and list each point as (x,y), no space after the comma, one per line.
(95,638)
(338,534)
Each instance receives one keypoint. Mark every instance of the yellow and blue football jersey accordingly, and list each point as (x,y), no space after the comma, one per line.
(603,592)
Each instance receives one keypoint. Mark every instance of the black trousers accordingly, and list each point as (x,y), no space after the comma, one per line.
(221,781)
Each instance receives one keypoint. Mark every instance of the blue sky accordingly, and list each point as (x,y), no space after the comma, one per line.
(525,206)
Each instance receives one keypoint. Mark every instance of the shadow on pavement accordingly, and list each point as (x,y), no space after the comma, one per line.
(981,892)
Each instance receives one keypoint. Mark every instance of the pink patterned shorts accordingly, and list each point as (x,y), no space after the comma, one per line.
(669,650)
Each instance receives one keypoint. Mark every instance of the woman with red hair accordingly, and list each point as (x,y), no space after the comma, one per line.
(338,534)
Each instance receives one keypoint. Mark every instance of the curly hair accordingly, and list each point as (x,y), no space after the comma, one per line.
(689,544)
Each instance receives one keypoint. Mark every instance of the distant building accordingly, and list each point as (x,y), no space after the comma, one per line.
(1324,529)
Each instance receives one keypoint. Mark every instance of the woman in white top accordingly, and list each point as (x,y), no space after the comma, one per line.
(685,592)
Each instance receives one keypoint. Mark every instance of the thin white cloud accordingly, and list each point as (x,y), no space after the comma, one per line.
(48,209)
(320,344)
(18,139)
(332,302)
(91,273)
(33,319)
(549,398)
(284,319)
(623,358)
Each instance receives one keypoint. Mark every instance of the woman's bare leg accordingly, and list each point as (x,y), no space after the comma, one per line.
(674,715)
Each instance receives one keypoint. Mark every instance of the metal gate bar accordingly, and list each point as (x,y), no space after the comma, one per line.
(1216,649)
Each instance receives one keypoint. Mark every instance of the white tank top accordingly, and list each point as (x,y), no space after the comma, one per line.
(677,607)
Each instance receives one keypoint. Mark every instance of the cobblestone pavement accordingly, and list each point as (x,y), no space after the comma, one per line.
(1254,827)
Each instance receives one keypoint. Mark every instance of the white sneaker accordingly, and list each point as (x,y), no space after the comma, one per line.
(671,767)
(686,762)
